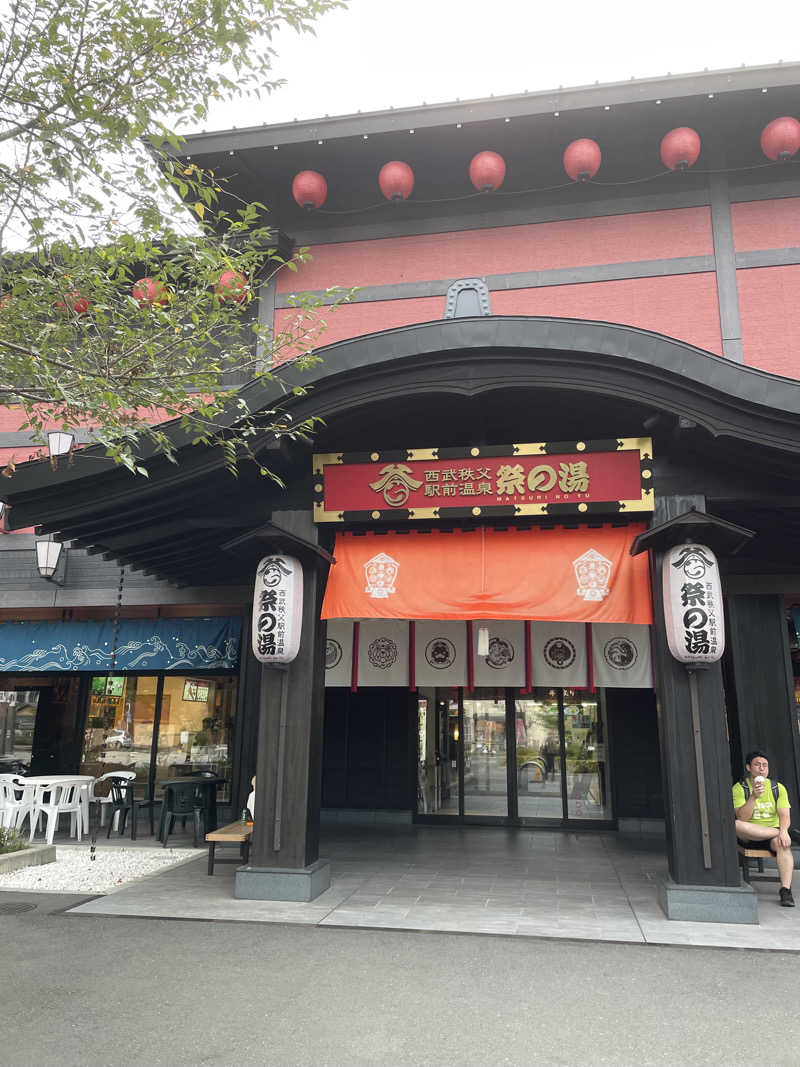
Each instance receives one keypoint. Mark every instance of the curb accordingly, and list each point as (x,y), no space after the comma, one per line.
(34,856)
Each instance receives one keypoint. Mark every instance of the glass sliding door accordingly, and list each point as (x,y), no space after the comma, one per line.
(539,755)
(438,752)
(485,753)
(562,770)
(585,749)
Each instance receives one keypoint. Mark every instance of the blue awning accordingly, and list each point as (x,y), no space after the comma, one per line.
(142,645)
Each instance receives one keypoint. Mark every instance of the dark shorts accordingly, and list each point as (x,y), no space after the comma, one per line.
(764,843)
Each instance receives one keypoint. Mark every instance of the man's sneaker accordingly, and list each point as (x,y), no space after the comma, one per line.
(787,900)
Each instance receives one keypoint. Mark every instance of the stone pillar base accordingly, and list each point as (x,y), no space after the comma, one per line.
(283,883)
(708,903)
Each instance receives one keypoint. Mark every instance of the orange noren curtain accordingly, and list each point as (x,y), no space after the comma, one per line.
(582,575)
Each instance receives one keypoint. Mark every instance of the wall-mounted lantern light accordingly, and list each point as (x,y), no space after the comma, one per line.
(48,556)
(59,443)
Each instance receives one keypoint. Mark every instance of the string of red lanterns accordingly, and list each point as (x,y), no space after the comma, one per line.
(232,287)
(396,180)
(74,302)
(780,139)
(679,150)
(148,292)
(487,171)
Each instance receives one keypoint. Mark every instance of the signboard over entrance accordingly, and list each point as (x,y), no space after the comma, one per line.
(501,481)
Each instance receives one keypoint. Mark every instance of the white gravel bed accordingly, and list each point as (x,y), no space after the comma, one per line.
(74,872)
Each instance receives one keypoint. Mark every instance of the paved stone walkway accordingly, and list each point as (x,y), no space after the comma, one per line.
(488,880)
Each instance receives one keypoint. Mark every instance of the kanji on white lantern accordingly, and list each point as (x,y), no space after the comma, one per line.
(277,609)
(693,613)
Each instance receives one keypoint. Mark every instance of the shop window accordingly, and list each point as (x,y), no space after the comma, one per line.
(120,725)
(178,725)
(17,728)
(196,726)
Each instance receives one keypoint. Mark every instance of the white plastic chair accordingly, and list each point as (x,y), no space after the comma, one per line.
(54,799)
(15,800)
(8,804)
(104,801)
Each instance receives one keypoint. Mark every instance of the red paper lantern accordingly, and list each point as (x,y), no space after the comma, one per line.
(149,291)
(582,159)
(74,302)
(396,180)
(780,139)
(232,286)
(309,189)
(680,148)
(487,171)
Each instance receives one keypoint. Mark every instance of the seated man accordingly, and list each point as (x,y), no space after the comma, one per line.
(762,818)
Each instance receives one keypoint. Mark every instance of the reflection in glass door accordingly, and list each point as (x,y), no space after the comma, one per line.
(561,756)
(438,734)
(539,760)
(585,749)
(485,752)
(498,754)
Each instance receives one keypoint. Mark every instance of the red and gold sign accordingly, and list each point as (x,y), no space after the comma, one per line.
(548,478)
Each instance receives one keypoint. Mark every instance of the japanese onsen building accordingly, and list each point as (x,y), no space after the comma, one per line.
(561,362)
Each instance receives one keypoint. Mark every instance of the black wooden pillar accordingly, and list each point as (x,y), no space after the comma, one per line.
(694,890)
(284,856)
(761,668)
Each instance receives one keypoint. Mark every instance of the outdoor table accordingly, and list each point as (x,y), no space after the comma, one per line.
(209,789)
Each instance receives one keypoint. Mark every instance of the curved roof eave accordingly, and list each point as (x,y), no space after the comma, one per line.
(651,368)
(671,375)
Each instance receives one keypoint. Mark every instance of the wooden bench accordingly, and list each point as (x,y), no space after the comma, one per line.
(758,854)
(232,834)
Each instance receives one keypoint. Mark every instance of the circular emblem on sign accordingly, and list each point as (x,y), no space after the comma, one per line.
(333,654)
(382,653)
(273,570)
(440,653)
(501,653)
(559,652)
(620,653)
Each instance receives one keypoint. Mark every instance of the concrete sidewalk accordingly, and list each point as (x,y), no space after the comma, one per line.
(600,887)
(120,992)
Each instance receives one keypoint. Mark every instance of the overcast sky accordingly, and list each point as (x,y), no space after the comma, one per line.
(382,53)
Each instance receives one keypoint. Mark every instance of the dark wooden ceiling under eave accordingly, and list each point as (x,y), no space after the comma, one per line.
(171,525)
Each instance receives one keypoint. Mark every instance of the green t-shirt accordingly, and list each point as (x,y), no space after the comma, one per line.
(765,812)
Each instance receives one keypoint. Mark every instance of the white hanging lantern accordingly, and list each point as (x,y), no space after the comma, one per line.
(48,554)
(693,612)
(59,443)
(277,609)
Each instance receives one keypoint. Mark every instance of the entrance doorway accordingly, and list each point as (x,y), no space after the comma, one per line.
(495,755)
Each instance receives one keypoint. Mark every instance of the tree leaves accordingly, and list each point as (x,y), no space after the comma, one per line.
(93,94)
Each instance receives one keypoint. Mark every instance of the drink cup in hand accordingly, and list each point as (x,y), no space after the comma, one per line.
(758,784)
